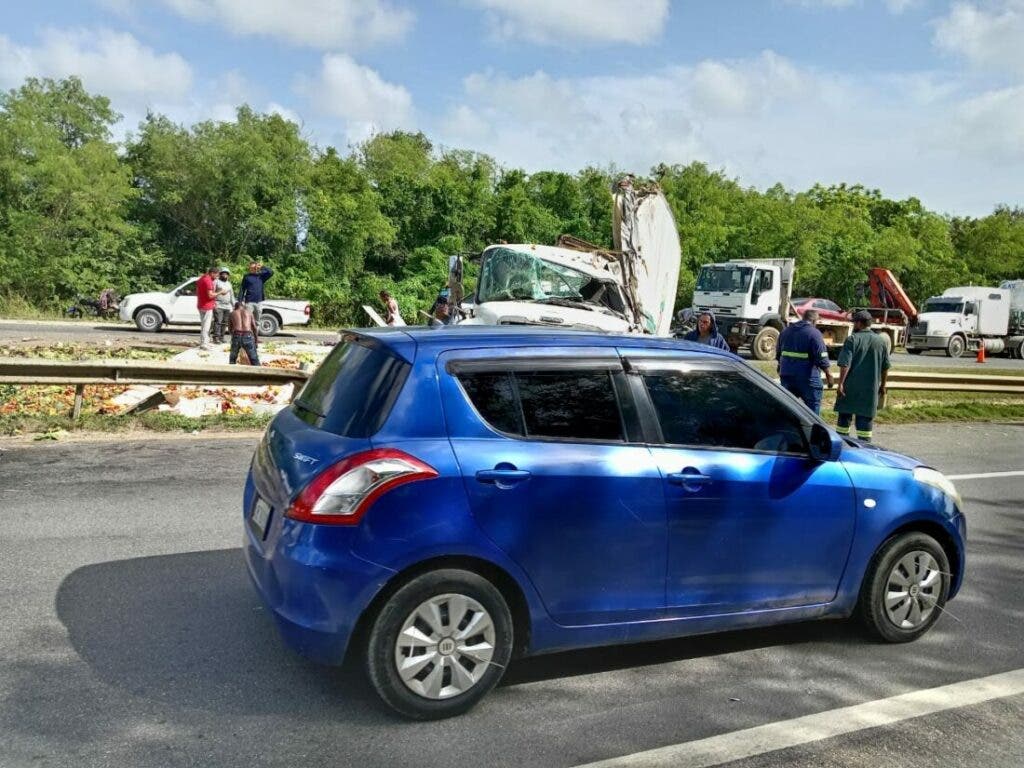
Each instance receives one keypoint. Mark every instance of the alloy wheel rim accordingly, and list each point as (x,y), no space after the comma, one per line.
(444,646)
(912,589)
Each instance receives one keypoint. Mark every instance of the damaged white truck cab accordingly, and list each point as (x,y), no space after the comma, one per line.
(630,289)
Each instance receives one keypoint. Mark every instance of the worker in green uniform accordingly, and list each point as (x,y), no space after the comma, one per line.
(863,369)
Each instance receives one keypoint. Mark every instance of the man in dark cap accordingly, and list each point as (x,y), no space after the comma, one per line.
(863,369)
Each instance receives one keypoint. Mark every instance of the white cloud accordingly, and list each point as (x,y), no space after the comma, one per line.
(763,119)
(572,22)
(823,3)
(114,64)
(991,126)
(358,95)
(899,6)
(274,108)
(895,7)
(344,24)
(988,37)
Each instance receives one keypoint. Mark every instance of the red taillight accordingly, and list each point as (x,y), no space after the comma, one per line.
(306,309)
(342,493)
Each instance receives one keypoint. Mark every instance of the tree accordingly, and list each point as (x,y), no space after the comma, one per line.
(220,192)
(64,196)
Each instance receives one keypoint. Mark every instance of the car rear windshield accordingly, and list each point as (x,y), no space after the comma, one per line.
(352,391)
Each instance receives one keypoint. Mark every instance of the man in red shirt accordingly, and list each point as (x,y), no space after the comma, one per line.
(206,301)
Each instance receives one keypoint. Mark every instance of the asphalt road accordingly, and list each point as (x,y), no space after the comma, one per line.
(130,636)
(84,331)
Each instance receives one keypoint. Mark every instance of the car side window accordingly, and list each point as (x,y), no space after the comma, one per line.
(493,394)
(572,405)
(721,409)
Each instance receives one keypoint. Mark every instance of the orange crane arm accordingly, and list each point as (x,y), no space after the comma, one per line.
(887,293)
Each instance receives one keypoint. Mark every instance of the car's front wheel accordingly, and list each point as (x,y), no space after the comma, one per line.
(905,588)
(148,320)
(439,644)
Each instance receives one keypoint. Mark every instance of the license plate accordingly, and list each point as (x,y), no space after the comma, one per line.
(260,517)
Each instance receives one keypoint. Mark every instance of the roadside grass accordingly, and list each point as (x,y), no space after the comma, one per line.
(16,308)
(53,427)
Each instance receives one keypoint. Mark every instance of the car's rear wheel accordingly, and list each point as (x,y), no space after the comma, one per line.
(269,324)
(439,644)
(148,320)
(905,589)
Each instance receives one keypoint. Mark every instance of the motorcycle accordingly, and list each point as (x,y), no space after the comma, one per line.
(104,307)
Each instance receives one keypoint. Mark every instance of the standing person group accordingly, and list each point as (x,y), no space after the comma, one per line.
(802,357)
(223,313)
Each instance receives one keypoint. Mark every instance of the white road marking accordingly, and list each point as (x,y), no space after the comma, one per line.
(750,742)
(982,475)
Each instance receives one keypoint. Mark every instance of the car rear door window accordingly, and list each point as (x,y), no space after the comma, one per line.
(493,395)
(578,405)
(559,404)
(721,409)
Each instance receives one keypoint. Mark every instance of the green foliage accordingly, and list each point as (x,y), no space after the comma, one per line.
(80,212)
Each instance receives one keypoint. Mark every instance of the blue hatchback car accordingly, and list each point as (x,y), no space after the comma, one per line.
(442,501)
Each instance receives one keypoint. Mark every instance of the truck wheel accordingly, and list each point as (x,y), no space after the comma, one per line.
(269,324)
(148,320)
(956,346)
(764,344)
(914,351)
(887,340)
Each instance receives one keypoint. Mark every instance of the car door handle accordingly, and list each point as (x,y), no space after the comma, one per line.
(688,478)
(502,477)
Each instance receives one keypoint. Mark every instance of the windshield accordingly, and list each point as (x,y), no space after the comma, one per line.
(726,279)
(510,275)
(944,305)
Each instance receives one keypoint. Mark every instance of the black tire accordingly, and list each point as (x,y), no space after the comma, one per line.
(915,351)
(871,607)
(956,346)
(383,637)
(149,320)
(269,324)
(764,344)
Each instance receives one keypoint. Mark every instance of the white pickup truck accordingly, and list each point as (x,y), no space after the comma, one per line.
(151,311)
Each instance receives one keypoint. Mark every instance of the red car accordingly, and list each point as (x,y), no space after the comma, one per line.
(827,310)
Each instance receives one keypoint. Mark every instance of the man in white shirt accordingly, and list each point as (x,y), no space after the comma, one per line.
(225,296)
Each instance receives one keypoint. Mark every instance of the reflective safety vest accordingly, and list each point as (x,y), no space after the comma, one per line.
(801,353)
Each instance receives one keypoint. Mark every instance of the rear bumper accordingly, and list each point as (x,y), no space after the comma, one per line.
(312,584)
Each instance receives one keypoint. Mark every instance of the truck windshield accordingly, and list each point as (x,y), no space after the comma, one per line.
(726,279)
(944,305)
(511,275)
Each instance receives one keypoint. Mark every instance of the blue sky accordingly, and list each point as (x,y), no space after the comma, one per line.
(917,97)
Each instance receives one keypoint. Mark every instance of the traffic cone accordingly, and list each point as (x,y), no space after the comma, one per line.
(981,353)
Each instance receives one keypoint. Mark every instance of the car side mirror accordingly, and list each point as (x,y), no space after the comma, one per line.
(823,446)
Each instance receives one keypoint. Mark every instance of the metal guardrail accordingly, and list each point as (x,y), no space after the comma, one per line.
(955,382)
(130,372)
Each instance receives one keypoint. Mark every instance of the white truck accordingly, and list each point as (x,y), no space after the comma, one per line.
(630,289)
(152,310)
(752,302)
(965,318)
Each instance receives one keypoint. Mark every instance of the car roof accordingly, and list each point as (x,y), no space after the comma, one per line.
(405,340)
